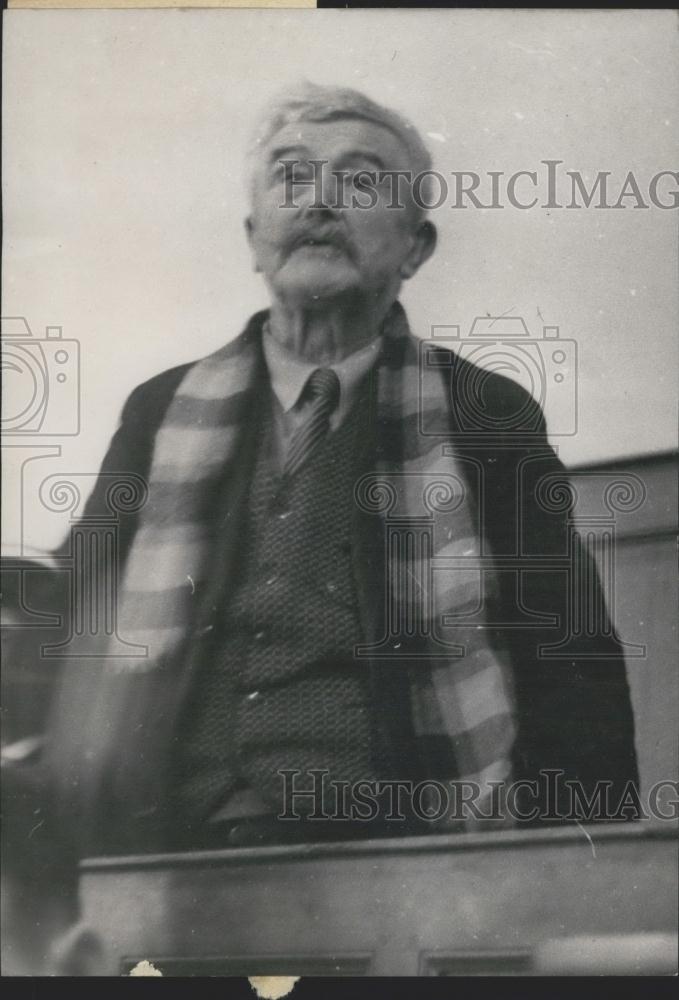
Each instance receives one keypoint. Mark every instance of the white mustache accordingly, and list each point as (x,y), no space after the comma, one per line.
(320,238)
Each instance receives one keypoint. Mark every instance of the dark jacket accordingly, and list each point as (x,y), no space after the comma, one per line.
(574,713)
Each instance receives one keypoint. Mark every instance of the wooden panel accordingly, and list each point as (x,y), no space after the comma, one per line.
(646,613)
(643,600)
(655,476)
(267,965)
(393,905)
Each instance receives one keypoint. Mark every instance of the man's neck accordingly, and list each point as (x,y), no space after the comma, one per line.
(325,336)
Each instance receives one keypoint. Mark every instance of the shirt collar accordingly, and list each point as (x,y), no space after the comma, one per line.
(289,374)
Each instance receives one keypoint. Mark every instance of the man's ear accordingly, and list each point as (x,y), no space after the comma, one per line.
(423,245)
(249,232)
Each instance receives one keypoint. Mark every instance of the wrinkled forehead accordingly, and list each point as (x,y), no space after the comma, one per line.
(341,139)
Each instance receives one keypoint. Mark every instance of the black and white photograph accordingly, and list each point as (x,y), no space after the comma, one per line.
(339,440)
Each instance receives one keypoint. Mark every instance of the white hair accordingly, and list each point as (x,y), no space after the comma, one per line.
(311,102)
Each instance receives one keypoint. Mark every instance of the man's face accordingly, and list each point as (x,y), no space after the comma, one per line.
(315,254)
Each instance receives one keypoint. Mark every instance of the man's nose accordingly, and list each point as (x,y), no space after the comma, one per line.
(326,198)
(322,212)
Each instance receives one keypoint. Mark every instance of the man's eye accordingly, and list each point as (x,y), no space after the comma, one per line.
(294,170)
(365,177)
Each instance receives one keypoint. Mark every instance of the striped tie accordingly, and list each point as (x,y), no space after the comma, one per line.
(322,391)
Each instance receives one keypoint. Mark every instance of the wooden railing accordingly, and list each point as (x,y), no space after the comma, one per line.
(600,899)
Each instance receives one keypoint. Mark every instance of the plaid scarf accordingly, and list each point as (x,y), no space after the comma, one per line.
(460,686)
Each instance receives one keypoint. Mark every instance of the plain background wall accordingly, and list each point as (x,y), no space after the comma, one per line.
(123,196)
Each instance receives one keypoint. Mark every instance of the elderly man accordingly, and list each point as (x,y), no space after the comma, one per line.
(291,630)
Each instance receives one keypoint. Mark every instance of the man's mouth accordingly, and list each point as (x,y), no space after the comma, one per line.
(317,243)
